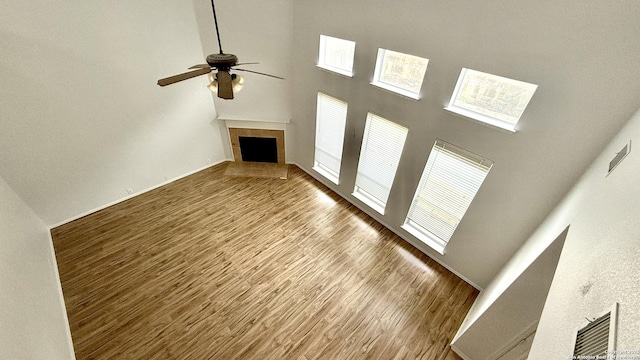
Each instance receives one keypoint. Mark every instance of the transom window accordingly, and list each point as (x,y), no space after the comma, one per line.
(492,99)
(331,119)
(400,73)
(379,158)
(449,183)
(336,55)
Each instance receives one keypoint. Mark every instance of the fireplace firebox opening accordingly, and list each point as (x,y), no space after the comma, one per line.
(257,145)
(258,149)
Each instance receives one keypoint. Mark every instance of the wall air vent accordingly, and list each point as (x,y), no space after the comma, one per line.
(619,156)
(597,339)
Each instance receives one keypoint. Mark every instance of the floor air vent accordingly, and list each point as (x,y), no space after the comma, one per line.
(597,339)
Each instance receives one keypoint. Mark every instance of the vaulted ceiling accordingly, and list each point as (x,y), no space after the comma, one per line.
(82,119)
(582,55)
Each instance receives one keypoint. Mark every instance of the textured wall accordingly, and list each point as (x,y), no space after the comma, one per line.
(599,264)
(515,314)
(33,322)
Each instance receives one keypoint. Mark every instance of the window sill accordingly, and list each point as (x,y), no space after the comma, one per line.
(370,203)
(335,70)
(483,119)
(423,238)
(396,90)
(326,174)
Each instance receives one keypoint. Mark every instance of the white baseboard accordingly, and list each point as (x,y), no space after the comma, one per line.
(102,207)
(54,260)
(415,243)
(460,353)
(523,335)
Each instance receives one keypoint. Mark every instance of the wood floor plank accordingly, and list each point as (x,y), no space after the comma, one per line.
(220,267)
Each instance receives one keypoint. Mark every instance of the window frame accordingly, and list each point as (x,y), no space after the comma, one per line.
(484,118)
(322,51)
(392,87)
(464,160)
(359,191)
(320,167)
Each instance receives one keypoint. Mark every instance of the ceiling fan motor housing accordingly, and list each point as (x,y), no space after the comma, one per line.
(222,61)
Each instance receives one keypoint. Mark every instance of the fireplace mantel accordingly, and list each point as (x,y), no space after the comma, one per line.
(257,128)
(242,123)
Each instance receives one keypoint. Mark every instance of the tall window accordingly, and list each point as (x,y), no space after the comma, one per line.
(449,183)
(492,99)
(336,55)
(331,119)
(379,157)
(400,73)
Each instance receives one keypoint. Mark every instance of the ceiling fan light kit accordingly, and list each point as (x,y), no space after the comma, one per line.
(223,82)
(237,83)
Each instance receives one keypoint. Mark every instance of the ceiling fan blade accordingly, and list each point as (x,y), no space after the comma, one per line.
(259,73)
(225,86)
(251,63)
(184,76)
(201,66)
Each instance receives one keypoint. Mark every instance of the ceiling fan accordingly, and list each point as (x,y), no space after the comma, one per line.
(222,82)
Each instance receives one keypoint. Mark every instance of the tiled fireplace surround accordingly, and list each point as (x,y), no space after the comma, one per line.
(255,128)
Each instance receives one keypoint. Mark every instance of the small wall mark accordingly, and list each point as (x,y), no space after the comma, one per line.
(584,289)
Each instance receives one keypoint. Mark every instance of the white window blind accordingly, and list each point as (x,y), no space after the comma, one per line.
(379,158)
(449,183)
(331,119)
(336,55)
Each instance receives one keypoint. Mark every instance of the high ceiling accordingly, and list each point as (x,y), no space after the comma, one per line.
(582,55)
(82,120)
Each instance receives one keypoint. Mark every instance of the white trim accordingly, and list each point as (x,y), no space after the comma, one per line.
(335,70)
(422,237)
(396,90)
(482,119)
(318,168)
(254,124)
(241,122)
(523,335)
(360,194)
(459,352)
(415,243)
(61,295)
(102,207)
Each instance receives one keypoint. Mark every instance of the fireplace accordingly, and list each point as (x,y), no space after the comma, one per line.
(257,145)
(258,149)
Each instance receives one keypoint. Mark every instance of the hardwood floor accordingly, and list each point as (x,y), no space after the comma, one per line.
(220,267)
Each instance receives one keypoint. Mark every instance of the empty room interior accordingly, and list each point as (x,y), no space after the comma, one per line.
(359,180)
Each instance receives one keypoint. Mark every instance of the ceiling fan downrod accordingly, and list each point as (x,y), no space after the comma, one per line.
(215,20)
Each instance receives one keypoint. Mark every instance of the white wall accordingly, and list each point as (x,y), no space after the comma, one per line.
(599,264)
(600,255)
(515,313)
(82,119)
(33,321)
(255,31)
(583,55)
